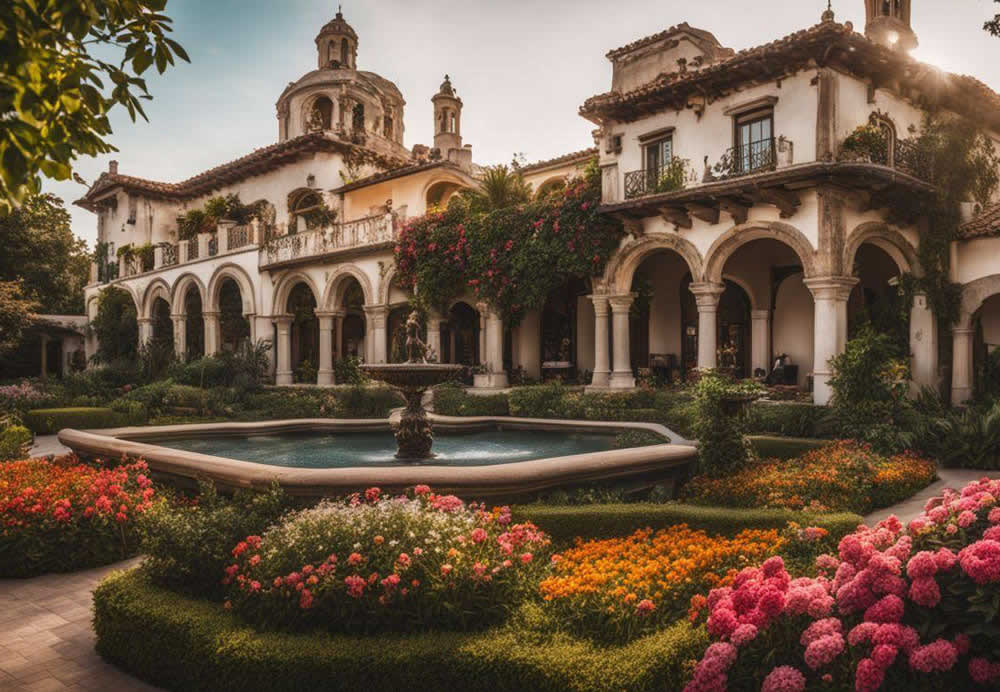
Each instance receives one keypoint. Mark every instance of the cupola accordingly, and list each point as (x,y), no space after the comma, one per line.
(447,118)
(888,24)
(337,44)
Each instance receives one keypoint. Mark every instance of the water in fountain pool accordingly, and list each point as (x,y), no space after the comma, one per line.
(338,450)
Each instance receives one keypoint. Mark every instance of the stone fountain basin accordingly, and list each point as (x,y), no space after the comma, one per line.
(640,465)
(408,375)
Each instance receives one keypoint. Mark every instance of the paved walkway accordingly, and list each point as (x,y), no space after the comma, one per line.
(46,445)
(46,639)
(910,509)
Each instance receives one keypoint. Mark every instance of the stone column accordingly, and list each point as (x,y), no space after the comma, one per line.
(830,296)
(482,334)
(157,257)
(284,349)
(264,331)
(375,321)
(621,377)
(145,330)
(203,240)
(212,333)
(760,338)
(707,297)
(45,357)
(338,335)
(923,343)
(325,348)
(182,251)
(434,337)
(961,365)
(494,350)
(602,365)
(180,336)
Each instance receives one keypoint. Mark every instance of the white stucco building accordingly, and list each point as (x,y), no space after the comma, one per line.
(748,229)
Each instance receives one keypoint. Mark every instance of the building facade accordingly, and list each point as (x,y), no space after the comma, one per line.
(753,232)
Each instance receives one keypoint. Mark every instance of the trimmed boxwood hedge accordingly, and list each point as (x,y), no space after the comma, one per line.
(566,522)
(185,644)
(46,421)
(770,447)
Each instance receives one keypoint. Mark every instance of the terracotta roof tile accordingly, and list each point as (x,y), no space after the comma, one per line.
(986,223)
(565,158)
(677,29)
(256,162)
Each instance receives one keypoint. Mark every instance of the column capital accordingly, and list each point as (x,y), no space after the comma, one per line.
(962,331)
(707,294)
(376,310)
(760,314)
(622,303)
(600,301)
(178,317)
(283,320)
(210,314)
(320,314)
(144,320)
(836,288)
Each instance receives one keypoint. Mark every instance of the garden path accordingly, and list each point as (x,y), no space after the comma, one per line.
(46,445)
(914,506)
(46,639)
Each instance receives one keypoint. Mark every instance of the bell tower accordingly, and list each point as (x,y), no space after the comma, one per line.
(447,119)
(887,22)
(337,44)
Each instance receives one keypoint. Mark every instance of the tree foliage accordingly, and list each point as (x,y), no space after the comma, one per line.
(993,25)
(116,325)
(38,247)
(15,314)
(511,257)
(56,93)
(499,187)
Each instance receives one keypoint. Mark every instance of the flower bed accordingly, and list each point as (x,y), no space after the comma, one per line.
(912,607)
(60,516)
(843,476)
(376,562)
(619,587)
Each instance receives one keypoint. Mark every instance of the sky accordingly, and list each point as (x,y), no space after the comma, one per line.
(521,67)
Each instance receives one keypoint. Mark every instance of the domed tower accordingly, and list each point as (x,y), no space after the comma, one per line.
(447,119)
(337,44)
(888,23)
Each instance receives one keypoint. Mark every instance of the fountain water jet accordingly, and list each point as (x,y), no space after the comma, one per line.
(414,436)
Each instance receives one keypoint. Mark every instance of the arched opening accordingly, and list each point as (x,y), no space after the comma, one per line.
(163,326)
(876,299)
(560,329)
(354,330)
(308,212)
(345,53)
(886,8)
(986,349)
(460,335)
(452,123)
(331,51)
(551,187)
(440,193)
(323,113)
(358,118)
(194,327)
(663,321)
(233,324)
(304,333)
(766,311)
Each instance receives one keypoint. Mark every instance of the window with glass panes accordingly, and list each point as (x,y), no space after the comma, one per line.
(755,141)
(658,154)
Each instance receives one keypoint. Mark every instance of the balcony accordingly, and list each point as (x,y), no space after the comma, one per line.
(367,232)
(755,157)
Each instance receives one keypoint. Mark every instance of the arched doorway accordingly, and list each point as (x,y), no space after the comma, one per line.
(304,334)
(194,327)
(233,324)
(986,349)
(876,299)
(663,321)
(560,328)
(163,326)
(353,339)
(460,335)
(734,331)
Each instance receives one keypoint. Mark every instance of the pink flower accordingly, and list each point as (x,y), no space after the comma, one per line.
(372,494)
(939,655)
(743,634)
(784,679)
(355,585)
(644,607)
(888,609)
(884,655)
(982,671)
(823,650)
(925,592)
(820,629)
(981,561)
(446,569)
(478,535)
(868,676)
(526,558)
(966,519)
(421,489)
(923,564)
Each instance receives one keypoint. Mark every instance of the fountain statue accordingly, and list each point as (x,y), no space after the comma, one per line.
(414,436)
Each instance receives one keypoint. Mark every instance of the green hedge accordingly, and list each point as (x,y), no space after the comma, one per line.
(186,644)
(769,447)
(46,421)
(14,442)
(567,522)
(455,401)
(787,419)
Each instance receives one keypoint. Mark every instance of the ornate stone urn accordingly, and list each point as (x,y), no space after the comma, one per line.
(414,436)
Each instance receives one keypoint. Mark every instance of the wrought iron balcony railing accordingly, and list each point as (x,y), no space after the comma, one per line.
(654,181)
(371,230)
(746,159)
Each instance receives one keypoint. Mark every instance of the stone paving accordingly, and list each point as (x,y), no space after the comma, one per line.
(46,640)
(911,508)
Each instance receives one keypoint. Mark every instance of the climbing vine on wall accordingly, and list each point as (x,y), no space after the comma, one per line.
(961,162)
(511,258)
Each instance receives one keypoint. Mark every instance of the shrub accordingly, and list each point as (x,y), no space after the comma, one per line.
(968,438)
(209,371)
(768,447)
(188,544)
(621,587)
(14,442)
(339,402)
(362,402)
(720,430)
(911,607)
(202,401)
(348,371)
(453,400)
(46,421)
(545,401)
(870,387)
(677,411)
(20,398)
(371,563)
(61,516)
(564,523)
(841,476)
(131,412)
(790,420)
(180,643)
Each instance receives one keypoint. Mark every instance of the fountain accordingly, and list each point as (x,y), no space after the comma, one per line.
(414,436)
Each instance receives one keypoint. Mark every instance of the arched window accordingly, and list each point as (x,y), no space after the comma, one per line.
(358,117)
(387,126)
(886,8)
(888,131)
(308,211)
(331,51)
(321,117)
(452,124)
(444,121)
(345,53)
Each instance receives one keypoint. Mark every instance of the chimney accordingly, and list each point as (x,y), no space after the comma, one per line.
(113,168)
